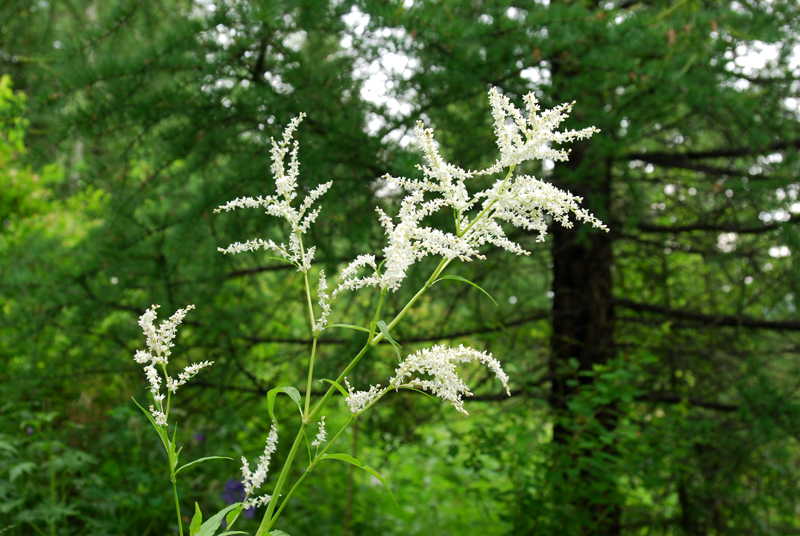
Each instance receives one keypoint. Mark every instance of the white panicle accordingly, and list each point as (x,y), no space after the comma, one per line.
(521,201)
(324,303)
(159,342)
(348,278)
(321,435)
(280,205)
(438,176)
(440,362)
(253,480)
(522,138)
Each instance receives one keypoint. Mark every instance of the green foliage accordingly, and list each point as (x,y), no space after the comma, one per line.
(140,123)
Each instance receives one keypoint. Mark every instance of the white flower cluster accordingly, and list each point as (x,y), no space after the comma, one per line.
(358,401)
(538,130)
(321,435)
(324,303)
(280,205)
(253,480)
(440,362)
(159,342)
(348,277)
(522,201)
(409,242)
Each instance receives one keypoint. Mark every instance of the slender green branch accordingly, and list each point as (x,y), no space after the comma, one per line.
(442,265)
(310,374)
(177,505)
(305,276)
(490,205)
(286,500)
(324,401)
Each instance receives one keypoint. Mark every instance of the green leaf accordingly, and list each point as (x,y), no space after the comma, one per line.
(348,326)
(201,460)
(385,330)
(210,527)
(374,473)
(282,259)
(277,533)
(417,390)
(459,278)
(339,387)
(345,458)
(197,520)
(161,432)
(233,514)
(293,393)
(20,469)
(173,455)
(349,459)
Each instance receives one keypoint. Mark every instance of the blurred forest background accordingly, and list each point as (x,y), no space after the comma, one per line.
(655,369)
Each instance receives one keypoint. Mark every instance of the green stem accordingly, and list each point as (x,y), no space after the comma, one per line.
(322,403)
(490,205)
(177,506)
(442,265)
(310,374)
(286,500)
(305,276)
(308,418)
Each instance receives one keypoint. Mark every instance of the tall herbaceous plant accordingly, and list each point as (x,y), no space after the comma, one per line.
(479,219)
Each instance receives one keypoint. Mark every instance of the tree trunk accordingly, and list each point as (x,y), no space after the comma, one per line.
(582,337)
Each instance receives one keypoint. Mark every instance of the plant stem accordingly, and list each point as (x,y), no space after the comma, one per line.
(442,265)
(310,374)
(305,277)
(177,506)
(490,205)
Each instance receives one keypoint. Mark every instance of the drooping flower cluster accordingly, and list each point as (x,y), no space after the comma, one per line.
(159,342)
(439,362)
(252,480)
(280,205)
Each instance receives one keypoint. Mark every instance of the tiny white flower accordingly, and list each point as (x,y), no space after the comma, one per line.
(321,436)
(324,302)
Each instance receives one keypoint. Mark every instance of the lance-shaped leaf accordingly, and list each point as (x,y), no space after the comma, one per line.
(459,278)
(293,393)
(349,459)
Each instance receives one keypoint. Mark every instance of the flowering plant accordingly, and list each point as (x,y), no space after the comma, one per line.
(519,200)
